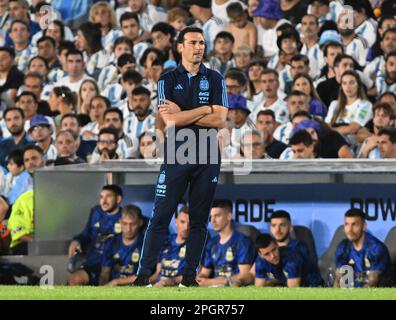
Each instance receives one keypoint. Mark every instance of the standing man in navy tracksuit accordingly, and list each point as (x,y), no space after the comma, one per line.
(193,105)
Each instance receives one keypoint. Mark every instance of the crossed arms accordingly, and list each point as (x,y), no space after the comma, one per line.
(205,116)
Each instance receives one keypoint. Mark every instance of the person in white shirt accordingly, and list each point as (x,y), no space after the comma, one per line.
(130,27)
(364,20)
(238,114)
(210,24)
(76,75)
(310,39)
(41,131)
(98,106)
(89,40)
(126,147)
(297,101)
(19,34)
(268,17)
(354,45)
(388,43)
(148,14)
(352,110)
(387,81)
(142,119)
(104,14)
(269,80)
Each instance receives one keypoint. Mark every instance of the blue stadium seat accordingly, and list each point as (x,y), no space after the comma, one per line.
(305,235)
(327,260)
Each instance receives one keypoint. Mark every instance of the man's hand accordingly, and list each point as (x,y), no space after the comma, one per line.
(104,156)
(372,142)
(168,107)
(74,247)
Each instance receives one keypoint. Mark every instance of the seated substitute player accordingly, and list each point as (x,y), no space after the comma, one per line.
(172,258)
(279,266)
(121,253)
(229,255)
(281,226)
(103,223)
(367,255)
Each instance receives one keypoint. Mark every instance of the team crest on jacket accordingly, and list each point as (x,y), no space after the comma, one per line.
(204,84)
(135,256)
(182,252)
(117,228)
(229,255)
(367,263)
(162,177)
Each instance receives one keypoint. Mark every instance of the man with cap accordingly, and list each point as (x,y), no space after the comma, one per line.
(238,114)
(269,16)
(210,24)
(365,254)
(41,131)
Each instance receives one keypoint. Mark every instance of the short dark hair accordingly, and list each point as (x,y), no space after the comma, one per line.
(390,132)
(263,241)
(164,28)
(128,16)
(190,29)
(267,112)
(223,204)
(125,59)
(35,75)
(105,99)
(109,131)
(331,44)
(355,212)
(47,38)
(302,113)
(390,54)
(390,30)
(71,115)
(132,75)
(9,50)
(385,107)
(16,156)
(132,211)
(114,110)
(138,91)
(21,112)
(280,214)
(39,58)
(146,52)
(300,57)
(122,40)
(302,136)
(236,75)
(295,93)
(225,35)
(33,147)
(270,71)
(66,45)
(341,57)
(235,10)
(184,209)
(27,93)
(21,22)
(74,52)
(114,188)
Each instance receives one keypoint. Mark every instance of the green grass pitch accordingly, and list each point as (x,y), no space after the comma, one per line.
(249,293)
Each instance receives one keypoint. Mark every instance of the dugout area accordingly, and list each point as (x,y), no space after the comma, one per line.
(316,193)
